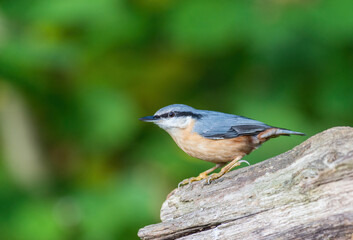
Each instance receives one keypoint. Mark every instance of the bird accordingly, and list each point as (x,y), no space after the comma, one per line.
(220,138)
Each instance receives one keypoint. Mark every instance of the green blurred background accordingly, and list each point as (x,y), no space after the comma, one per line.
(76,75)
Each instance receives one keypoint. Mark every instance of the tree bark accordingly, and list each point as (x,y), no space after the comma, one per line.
(305,193)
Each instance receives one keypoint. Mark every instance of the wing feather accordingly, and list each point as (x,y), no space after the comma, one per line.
(215,125)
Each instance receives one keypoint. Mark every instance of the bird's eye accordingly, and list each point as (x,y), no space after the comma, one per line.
(171,114)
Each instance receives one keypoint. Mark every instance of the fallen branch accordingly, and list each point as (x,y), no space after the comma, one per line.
(305,193)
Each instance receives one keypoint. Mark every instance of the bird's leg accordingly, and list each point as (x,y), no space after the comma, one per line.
(227,168)
(201,176)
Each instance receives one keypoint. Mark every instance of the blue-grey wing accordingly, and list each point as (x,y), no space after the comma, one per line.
(214,125)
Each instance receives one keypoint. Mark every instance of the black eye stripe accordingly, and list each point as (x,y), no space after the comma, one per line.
(179,114)
(188,114)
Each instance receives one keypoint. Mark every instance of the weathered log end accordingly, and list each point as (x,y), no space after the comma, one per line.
(305,193)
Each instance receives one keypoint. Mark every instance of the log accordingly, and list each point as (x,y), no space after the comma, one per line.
(305,193)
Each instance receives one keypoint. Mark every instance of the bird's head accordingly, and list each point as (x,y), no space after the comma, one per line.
(176,116)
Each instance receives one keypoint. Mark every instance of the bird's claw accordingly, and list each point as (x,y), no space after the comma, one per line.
(184,182)
(193,179)
(213,176)
(187,181)
(244,161)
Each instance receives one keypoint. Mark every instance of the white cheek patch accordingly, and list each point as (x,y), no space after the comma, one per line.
(176,122)
(183,122)
(162,123)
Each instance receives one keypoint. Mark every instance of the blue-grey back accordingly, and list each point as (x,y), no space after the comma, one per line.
(217,125)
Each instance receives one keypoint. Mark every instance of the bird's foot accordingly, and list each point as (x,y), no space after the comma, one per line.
(193,179)
(214,176)
(224,170)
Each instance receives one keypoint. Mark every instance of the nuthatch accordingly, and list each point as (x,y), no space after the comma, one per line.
(214,136)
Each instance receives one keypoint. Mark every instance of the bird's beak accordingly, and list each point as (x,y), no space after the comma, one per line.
(148,119)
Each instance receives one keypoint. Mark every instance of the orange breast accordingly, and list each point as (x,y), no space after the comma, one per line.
(217,151)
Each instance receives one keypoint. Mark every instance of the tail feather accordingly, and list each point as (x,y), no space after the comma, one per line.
(276,132)
(282,131)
